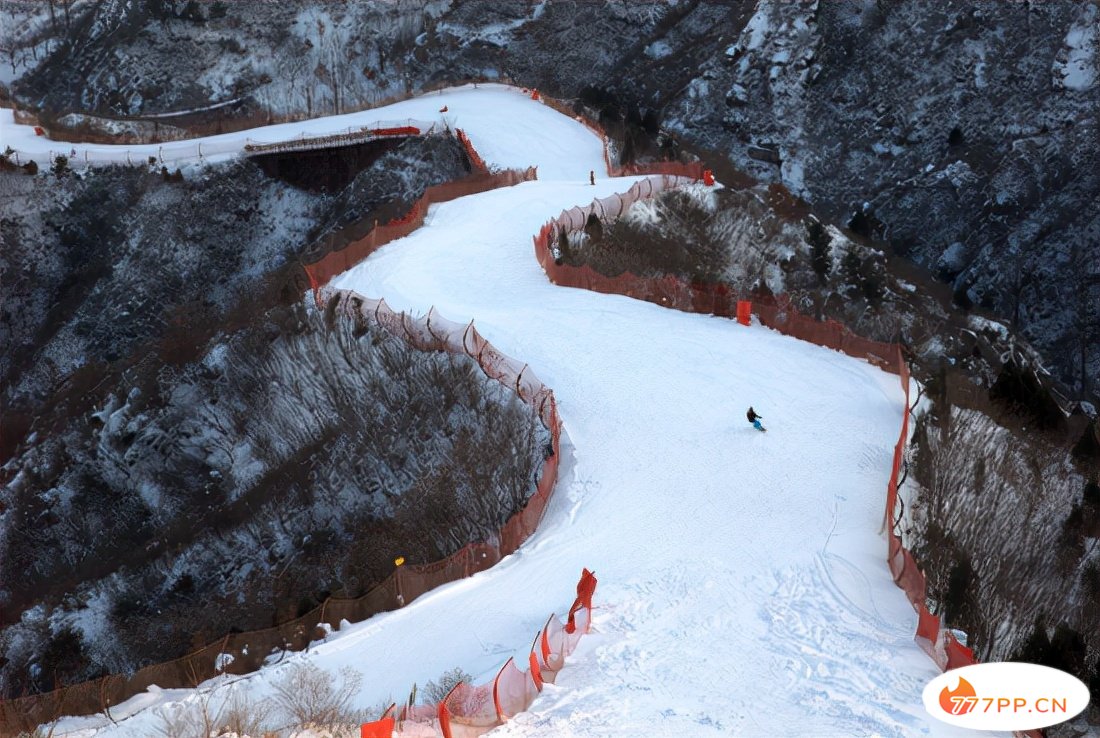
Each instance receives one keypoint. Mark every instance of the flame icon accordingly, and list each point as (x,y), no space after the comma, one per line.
(960,701)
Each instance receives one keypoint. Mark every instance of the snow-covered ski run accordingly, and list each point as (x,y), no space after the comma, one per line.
(743,585)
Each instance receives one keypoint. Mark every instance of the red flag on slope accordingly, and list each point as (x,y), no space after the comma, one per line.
(586,587)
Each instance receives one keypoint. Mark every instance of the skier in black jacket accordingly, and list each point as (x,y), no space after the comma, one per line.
(754,417)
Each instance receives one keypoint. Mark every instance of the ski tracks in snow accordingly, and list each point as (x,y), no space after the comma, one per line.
(816,629)
(625,681)
(803,622)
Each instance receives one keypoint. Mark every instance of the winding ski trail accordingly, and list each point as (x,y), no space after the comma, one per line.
(743,588)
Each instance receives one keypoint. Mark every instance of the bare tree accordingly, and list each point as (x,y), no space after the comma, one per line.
(197,718)
(313,698)
(436,690)
(246,717)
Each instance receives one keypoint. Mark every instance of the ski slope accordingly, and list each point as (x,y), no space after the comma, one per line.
(743,588)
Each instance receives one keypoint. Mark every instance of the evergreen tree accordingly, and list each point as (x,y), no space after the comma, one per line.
(1037,648)
(628,156)
(594,228)
(60,166)
(563,246)
(820,241)
(1087,447)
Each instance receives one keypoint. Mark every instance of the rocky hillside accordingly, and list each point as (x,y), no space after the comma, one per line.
(186,447)
(294,460)
(964,137)
(100,263)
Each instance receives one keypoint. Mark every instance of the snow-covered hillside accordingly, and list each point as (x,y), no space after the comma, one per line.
(743,589)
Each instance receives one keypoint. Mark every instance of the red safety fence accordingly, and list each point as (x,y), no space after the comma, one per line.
(475,158)
(779,314)
(605,208)
(471,710)
(241,653)
(938,642)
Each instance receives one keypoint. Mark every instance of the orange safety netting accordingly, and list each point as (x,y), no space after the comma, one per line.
(468,711)
(475,158)
(398,131)
(382,727)
(514,690)
(471,710)
(938,642)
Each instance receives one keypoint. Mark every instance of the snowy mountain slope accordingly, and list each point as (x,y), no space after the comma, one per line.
(743,587)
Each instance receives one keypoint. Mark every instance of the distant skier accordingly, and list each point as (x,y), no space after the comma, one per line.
(754,418)
(592,176)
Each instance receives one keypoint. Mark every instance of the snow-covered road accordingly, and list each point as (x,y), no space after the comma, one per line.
(743,588)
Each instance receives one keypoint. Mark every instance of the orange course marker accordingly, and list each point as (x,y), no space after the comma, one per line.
(744,312)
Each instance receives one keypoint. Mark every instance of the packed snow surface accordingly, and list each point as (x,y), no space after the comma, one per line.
(743,588)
